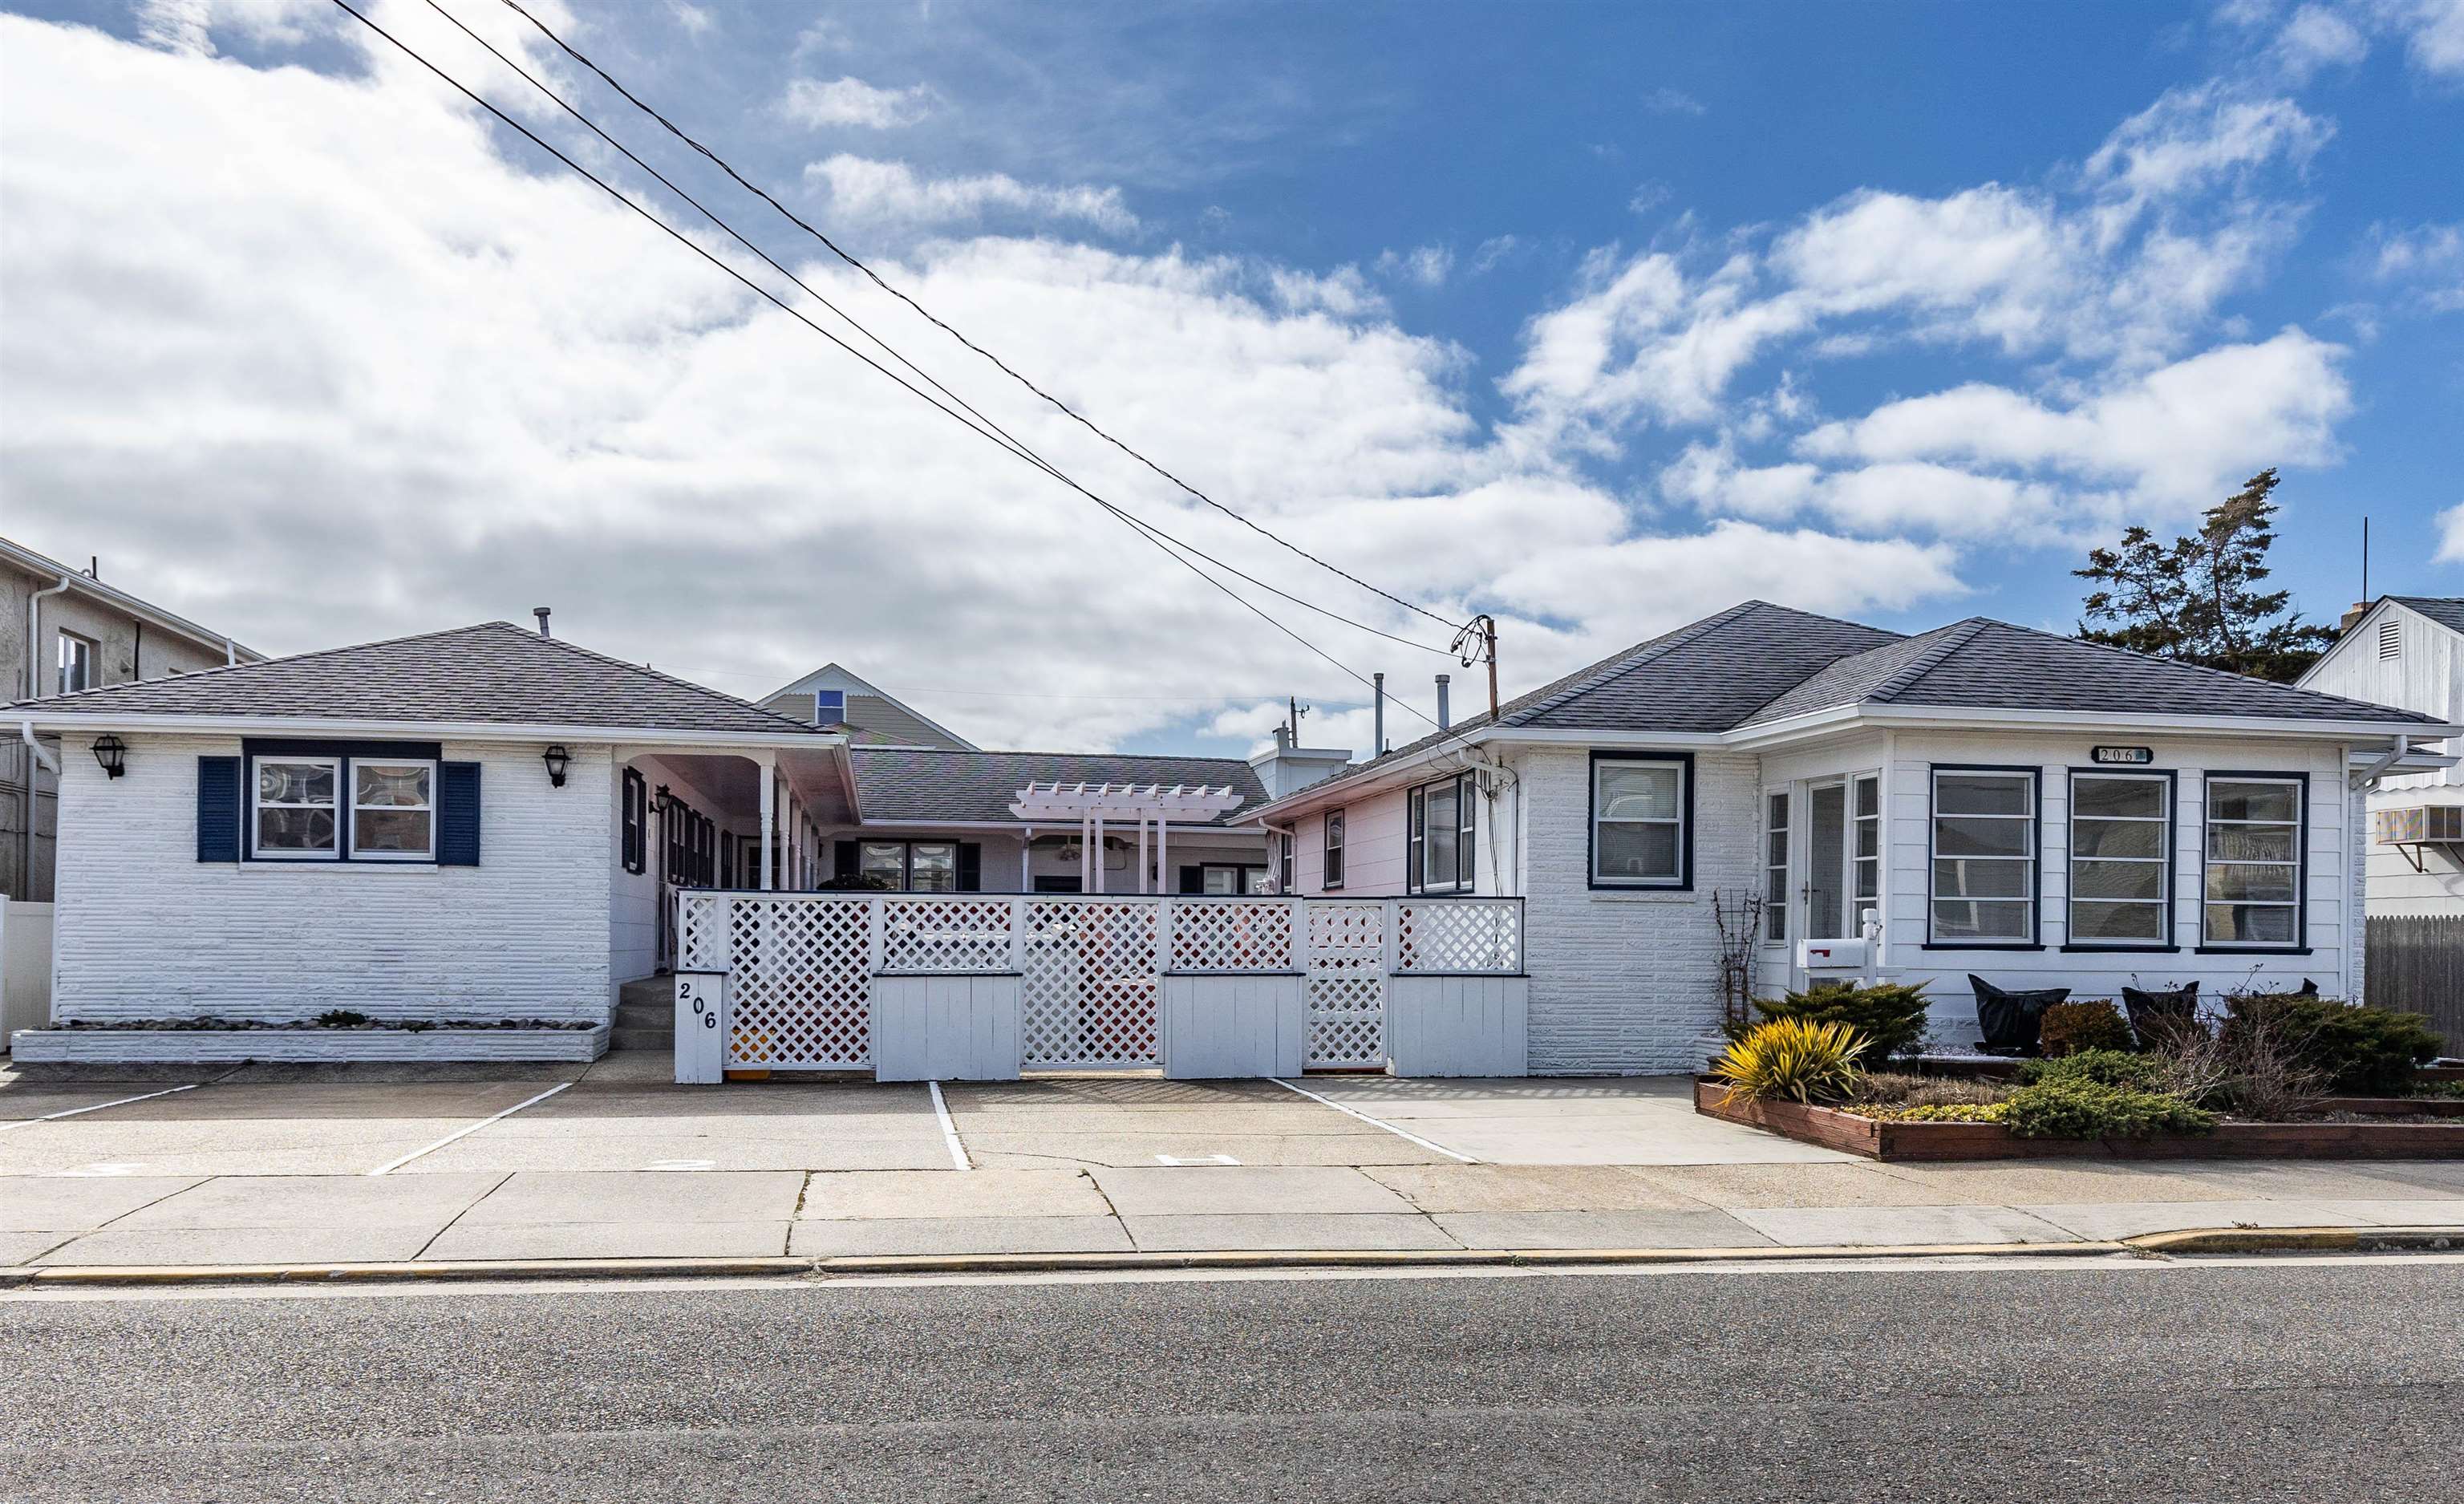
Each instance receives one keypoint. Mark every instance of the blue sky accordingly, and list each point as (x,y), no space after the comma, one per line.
(1596,317)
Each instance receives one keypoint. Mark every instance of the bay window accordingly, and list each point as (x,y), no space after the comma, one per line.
(2254,862)
(2122,855)
(1441,845)
(1638,807)
(1984,887)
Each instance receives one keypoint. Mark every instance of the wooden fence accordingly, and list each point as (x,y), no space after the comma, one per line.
(2416,964)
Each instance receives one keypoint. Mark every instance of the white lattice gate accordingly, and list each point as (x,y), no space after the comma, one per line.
(1089,997)
(800,976)
(1347,983)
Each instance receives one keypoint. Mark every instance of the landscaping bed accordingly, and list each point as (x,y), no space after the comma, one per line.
(2435,1135)
(125,1046)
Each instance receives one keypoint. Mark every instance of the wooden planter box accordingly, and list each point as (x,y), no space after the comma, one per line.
(1878,1139)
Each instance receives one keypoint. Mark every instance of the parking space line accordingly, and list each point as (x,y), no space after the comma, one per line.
(949,1129)
(1374,1122)
(28,1122)
(391,1166)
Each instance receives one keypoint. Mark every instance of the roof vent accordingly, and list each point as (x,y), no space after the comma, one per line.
(540,612)
(2391,638)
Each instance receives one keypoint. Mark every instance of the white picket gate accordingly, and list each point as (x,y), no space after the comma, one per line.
(800,965)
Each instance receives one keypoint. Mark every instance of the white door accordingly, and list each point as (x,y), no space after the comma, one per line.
(1843,856)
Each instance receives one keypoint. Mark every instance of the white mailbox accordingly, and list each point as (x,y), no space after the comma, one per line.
(1832,955)
(701,1028)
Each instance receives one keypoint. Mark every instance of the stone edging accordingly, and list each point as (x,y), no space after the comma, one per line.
(231,1047)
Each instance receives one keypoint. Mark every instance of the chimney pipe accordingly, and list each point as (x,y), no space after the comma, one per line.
(540,612)
(1378,737)
(1445,717)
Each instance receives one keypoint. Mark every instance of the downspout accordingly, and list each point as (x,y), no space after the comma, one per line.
(2377,770)
(33,691)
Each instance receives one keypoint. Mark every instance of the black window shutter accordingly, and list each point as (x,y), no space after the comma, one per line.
(843,859)
(971,867)
(1193,879)
(218,801)
(457,815)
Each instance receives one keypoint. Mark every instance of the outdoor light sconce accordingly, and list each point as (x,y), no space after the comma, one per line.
(555,757)
(112,753)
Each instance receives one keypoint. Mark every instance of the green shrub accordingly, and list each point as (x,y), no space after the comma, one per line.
(2097,1068)
(1791,1057)
(1935,1112)
(2359,1052)
(341,1018)
(2441,1091)
(1890,1017)
(2081,1108)
(2069,1028)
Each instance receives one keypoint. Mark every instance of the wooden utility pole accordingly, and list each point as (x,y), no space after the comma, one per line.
(1477,643)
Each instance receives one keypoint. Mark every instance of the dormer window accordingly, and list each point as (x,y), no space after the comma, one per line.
(829,707)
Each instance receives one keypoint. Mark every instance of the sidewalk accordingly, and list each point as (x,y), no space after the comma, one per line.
(253,1169)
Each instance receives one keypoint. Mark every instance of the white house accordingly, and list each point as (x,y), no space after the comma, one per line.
(2025,808)
(477,826)
(2408,651)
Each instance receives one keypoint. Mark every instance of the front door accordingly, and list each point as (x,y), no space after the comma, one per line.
(1826,867)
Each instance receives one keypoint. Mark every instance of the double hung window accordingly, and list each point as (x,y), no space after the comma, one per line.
(2120,859)
(1637,822)
(1984,856)
(1441,846)
(1332,877)
(336,808)
(2253,863)
(910,866)
(75,663)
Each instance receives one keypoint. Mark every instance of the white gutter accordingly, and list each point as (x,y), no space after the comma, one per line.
(2370,775)
(1935,717)
(26,733)
(429,730)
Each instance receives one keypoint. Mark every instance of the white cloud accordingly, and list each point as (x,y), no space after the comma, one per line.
(187,26)
(2451,535)
(1647,197)
(2198,137)
(852,101)
(893,193)
(1426,266)
(344,343)
(2432,30)
(695,20)
(1671,101)
(1493,251)
(2318,36)
(2429,259)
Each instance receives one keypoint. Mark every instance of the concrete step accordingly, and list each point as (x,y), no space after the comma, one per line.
(641,1039)
(646,1015)
(661,990)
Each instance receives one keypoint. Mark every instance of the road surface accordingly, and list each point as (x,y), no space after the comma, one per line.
(2264,1379)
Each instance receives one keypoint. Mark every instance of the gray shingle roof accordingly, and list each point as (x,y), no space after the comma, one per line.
(899,783)
(2446,611)
(1985,664)
(492,672)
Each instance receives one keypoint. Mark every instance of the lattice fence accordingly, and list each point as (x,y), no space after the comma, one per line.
(1347,983)
(955,934)
(1089,998)
(1232,935)
(1458,934)
(799,983)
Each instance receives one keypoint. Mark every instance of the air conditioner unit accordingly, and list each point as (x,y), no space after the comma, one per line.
(2414,827)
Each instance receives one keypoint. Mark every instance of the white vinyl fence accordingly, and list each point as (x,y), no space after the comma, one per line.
(800,966)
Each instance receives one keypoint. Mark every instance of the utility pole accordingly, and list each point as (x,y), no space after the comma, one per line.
(1477,643)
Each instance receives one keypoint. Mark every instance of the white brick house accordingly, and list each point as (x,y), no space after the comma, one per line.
(477,825)
(2025,808)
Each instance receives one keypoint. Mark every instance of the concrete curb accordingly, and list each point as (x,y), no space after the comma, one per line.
(2192,1241)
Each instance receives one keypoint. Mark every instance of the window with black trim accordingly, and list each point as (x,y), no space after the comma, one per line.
(636,807)
(1984,856)
(1334,875)
(346,803)
(1638,822)
(1441,848)
(910,866)
(2253,886)
(2122,859)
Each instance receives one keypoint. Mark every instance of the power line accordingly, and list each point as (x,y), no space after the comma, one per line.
(1170,546)
(952,331)
(1007,439)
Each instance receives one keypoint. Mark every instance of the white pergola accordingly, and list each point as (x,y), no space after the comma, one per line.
(1088,806)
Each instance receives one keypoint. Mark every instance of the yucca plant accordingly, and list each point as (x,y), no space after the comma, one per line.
(1791,1057)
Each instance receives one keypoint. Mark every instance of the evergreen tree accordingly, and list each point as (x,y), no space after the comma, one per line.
(2197,599)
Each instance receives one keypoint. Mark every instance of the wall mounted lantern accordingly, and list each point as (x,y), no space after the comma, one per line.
(112,753)
(555,757)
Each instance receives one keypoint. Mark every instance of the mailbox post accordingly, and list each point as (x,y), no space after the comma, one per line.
(701,1028)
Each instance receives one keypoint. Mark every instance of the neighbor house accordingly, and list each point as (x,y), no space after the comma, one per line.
(2408,651)
(63,630)
(2005,803)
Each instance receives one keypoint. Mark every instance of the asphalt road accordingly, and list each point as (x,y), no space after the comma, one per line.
(2283,1381)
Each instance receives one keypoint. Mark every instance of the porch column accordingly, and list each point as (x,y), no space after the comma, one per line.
(1095,851)
(769,818)
(1026,852)
(1142,851)
(1163,862)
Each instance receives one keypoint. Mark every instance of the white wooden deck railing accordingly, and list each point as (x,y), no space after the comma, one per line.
(801,964)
